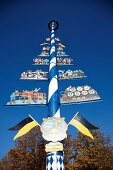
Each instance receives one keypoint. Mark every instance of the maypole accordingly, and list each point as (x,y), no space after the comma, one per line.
(53,128)
(54,160)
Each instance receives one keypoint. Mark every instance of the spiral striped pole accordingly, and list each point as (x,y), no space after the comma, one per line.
(53,100)
(54,160)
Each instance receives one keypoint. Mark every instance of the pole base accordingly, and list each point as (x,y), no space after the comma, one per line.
(54,161)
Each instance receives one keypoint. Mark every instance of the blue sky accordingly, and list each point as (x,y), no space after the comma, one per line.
(85,27)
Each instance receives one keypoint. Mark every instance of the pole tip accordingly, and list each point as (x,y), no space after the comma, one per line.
(53,25)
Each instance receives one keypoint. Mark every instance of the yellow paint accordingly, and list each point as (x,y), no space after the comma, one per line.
(81,128)
(25,129)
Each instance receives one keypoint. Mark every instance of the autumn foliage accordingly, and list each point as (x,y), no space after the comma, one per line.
(81,153)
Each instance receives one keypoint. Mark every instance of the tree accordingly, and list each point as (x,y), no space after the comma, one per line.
(94,155)
(80,154)
(70,152)
(28,153)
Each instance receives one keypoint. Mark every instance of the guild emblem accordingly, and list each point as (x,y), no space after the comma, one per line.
(54,129)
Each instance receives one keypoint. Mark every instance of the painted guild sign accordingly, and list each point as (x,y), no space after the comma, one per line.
(56,39)
(37,75)
(79,94)
(70,74)
(41,61)
(61,54)
(27,97)
(45,43)
(64,61)
(48,39)
(45,48)
(60,47)
(54,147)
(44,54)
(54,129)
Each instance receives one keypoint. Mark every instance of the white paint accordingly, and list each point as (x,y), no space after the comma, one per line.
(52,63)
(57,114)
(52,50)
(52,35)
(52,41)
(53,86)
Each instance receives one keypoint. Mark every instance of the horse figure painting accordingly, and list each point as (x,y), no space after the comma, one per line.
(27,97)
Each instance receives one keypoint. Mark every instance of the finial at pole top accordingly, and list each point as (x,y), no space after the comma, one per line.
(53,25)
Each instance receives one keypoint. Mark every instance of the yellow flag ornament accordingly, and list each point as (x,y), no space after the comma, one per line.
(83,125)
(24,126)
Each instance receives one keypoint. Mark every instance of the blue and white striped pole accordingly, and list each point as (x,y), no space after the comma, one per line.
(53,100)
(54,160)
